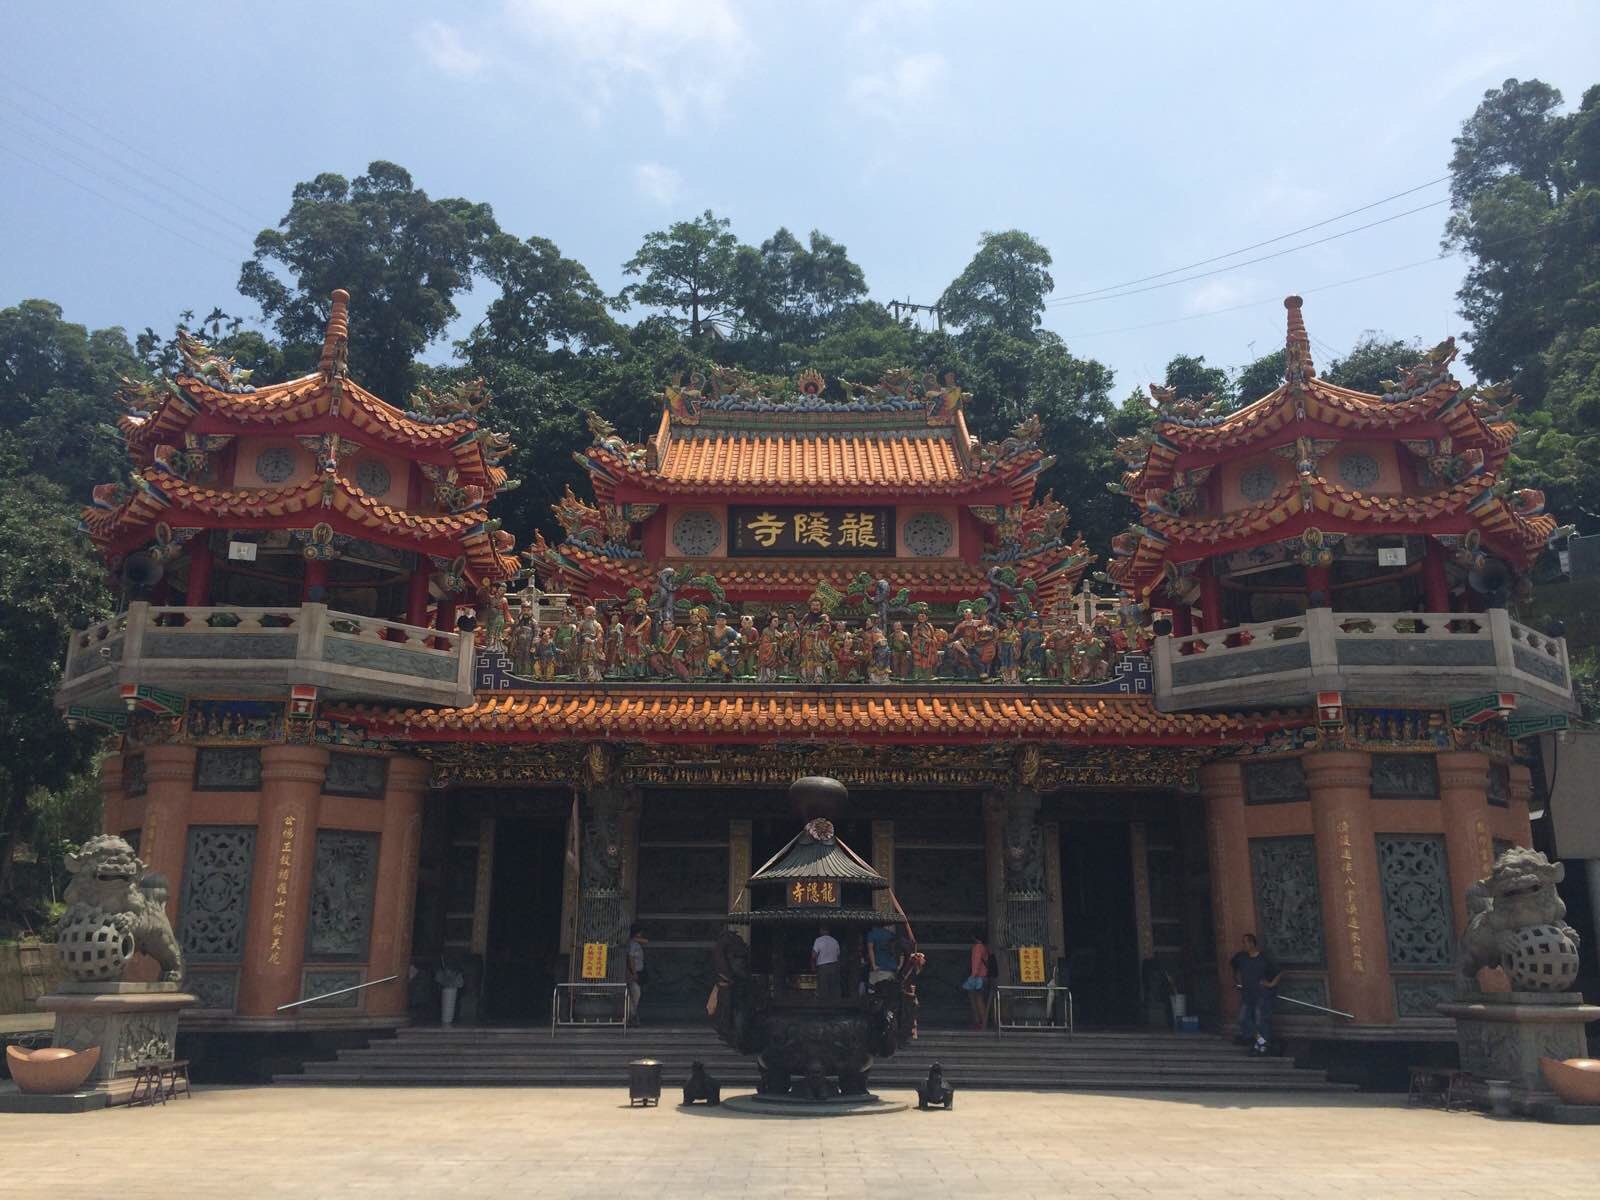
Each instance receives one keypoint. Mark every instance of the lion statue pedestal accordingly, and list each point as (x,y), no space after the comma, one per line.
(115,910)
(1518,924)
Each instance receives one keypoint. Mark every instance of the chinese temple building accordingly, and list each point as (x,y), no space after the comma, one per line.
(1302,716)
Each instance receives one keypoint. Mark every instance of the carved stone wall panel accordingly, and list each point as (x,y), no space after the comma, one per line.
(1416,996)
(1277,781)
(1404,777)
(320,983)
(216,892)
(1311,989)
(342,883)
(1416,901)
(216,990)
(1288,899)
(355,775)
(227,769)
(683,879)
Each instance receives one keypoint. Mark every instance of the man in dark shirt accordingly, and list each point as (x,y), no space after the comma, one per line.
(1255,974)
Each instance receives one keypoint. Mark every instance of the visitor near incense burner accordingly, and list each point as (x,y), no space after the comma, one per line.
(825,961)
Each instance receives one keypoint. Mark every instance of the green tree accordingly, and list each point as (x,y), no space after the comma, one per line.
(48,584)
(1194,380)
(403,257)
(1003,287)
(1372,360)
(1259,378)
(58,384)
(691,271)
(790,292)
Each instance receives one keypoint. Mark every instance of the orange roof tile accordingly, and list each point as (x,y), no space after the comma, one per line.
(762,715)
(858,461)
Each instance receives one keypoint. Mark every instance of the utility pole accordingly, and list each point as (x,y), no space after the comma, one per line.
(897,307)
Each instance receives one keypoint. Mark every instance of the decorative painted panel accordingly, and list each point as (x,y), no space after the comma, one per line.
(1404,777)
(227,769)
(1281,781)
(320,983)
(1288,900)
(1416,996)
(216,892)
(342,884)
(355,775)
(1416,901)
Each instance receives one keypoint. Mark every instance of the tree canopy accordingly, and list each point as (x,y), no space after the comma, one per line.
(1003,287)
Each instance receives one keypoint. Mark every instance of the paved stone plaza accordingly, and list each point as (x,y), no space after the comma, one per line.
(252,1142)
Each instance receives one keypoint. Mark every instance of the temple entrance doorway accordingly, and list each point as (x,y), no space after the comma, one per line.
(523,955)
(1098,912)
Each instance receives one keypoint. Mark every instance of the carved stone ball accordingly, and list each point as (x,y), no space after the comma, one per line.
(93,948)
(1545,960)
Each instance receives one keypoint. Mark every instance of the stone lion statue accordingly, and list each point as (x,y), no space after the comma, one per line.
(1518,923)
(114,910)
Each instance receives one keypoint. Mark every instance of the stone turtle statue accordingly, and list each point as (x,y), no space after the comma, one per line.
(114,910)
(1518,923)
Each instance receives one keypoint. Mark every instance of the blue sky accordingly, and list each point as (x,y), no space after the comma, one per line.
(142,145)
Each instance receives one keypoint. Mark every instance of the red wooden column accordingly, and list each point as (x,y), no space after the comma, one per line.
(1319,587)
(315,588)
(1435,587)
(1352,897)
(395,897)
(280,884)
(417,598)
(1232,892)
(1210,598)
(1182,620)
(1464,806)
(197,590)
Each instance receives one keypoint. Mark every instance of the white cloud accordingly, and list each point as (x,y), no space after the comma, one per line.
(684,53)
(448,51)
(1215,294)
(909,82)
(657,182)
(881,16)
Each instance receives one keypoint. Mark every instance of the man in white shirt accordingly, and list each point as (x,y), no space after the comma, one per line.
(825,961)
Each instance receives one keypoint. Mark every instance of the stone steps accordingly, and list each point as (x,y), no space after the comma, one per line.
(577,1057)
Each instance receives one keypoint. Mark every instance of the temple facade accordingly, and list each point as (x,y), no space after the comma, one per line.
(363,739)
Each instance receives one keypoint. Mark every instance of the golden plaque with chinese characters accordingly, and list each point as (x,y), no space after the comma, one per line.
(789,532)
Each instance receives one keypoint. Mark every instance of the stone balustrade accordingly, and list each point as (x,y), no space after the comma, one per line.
(1418,659)
(245,650)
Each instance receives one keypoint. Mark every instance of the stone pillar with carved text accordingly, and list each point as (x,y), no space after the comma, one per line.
(883,864)
(164,832)
(1342,816)
(395,896)
(741,835)
(1232,892)
(280,883)
(1464,805)
(602,911)
(1519,789)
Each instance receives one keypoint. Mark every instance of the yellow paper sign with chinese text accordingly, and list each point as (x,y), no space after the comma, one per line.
(813,893)
(594,960)
(1030,964)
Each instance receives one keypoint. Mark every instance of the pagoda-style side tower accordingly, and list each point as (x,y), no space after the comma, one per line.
(298,534)
(1321,499)
(778,498)
(1352,554)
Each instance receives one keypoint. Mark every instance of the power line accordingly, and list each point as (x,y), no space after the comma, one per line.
(1217,312)
(128,189)
(164,184)
(1248,261)
(127,145)
(116,203)
(1113,287)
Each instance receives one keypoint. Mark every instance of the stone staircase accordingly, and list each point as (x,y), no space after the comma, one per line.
(1035,1061)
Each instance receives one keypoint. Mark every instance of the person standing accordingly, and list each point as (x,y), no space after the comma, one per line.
(825,962)
(883,954)
(977,984)
(634,962)
(1255,974)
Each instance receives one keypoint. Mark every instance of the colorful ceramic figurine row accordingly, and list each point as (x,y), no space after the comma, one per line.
(815,647)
